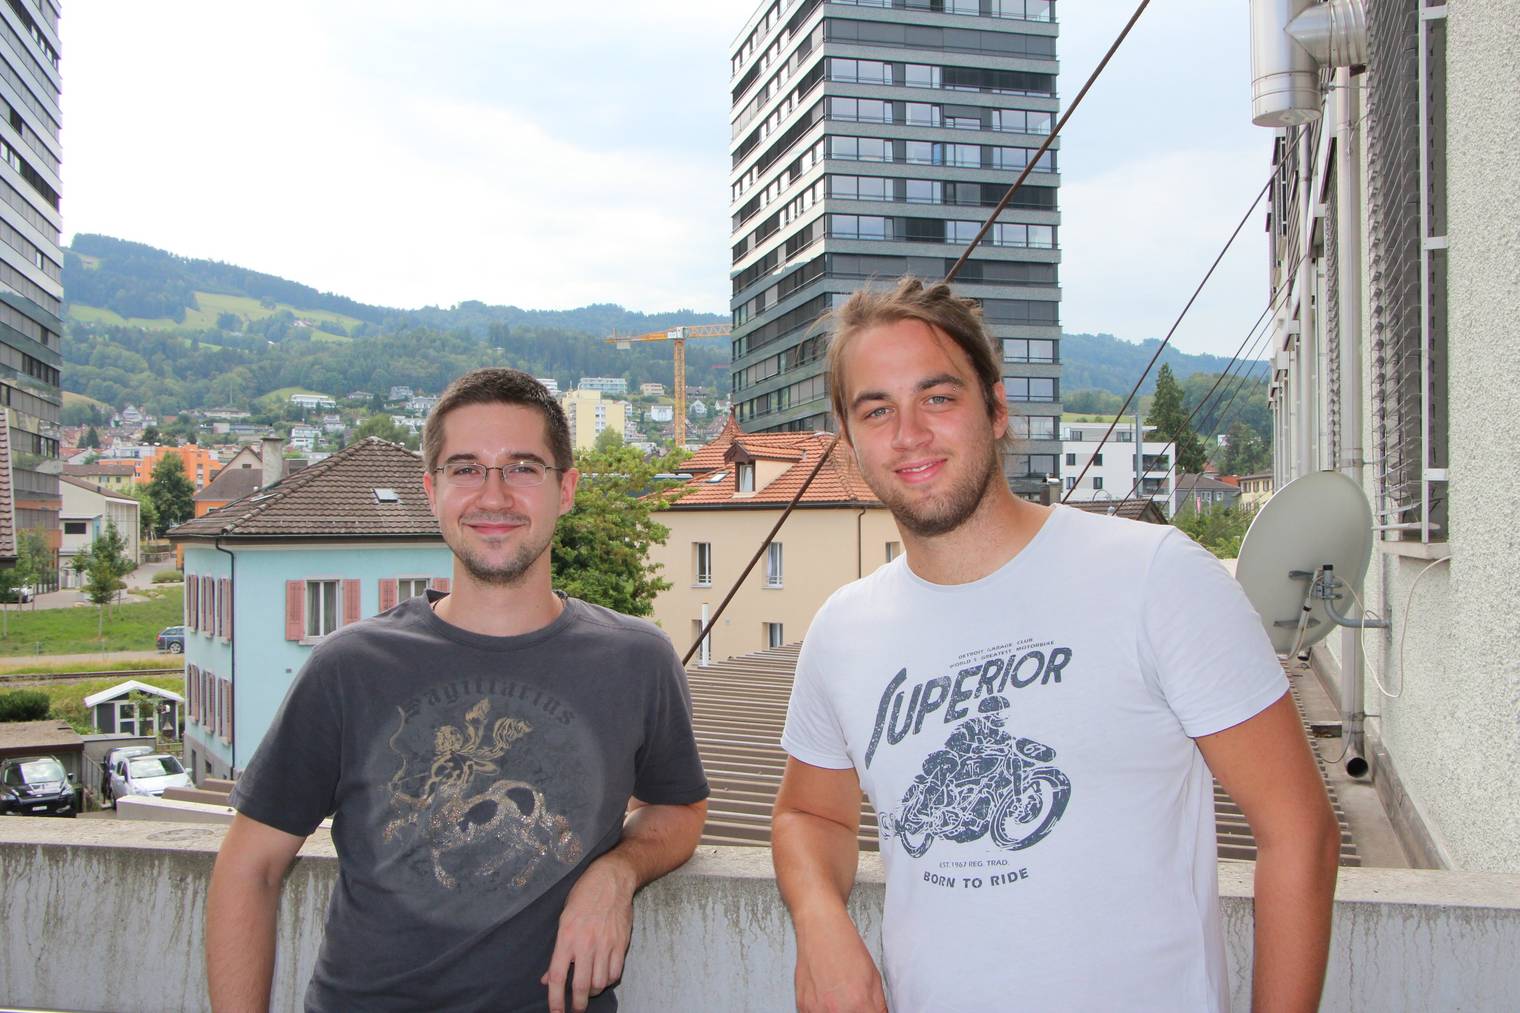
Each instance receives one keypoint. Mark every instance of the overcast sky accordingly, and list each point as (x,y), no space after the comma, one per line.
(550,156)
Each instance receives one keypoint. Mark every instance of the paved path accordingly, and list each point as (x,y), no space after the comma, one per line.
(69,597)
(150,659)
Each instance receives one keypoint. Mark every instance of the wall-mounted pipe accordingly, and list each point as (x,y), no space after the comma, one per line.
(1291,40)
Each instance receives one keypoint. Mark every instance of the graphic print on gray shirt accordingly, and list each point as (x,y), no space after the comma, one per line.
(472,779)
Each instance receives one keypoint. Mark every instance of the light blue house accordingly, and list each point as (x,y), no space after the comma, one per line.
(269,575)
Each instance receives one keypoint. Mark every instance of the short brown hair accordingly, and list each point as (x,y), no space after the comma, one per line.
(496,385)
(936,305)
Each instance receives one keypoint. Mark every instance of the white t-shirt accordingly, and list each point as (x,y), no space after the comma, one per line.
(1027,741)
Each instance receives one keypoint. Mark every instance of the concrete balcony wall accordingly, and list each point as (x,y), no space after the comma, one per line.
(712,936)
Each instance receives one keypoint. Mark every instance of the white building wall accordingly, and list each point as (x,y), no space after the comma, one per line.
(1445,724)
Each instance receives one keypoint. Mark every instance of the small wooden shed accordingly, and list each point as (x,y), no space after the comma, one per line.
(112,710)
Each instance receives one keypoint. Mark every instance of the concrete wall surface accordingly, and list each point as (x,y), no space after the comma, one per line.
(710,937)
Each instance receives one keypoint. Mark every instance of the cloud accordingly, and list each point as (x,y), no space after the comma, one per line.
(1139,237)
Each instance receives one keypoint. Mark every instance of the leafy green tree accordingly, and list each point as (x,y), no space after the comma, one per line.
(34,560)
(147,510)
(8,585)
(1219,528)
(101,569)
(608,439)
(24,705)
(601,547)
(1244,452)
(172,493)
(91,440)
(1170,420)
(382,426)
(152,435)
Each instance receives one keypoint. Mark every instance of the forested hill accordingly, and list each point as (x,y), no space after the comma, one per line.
(173,333)
(1104,362)
(133,280)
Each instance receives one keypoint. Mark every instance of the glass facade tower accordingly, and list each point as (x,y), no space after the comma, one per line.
(31,287)
(870,139)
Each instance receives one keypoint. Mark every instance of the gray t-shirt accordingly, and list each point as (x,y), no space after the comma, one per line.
(472,779)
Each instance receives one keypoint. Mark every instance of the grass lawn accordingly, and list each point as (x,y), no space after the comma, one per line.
(72,630)
(70,667)
(211,305)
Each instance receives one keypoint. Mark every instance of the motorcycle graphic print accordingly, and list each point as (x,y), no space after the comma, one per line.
(985,781)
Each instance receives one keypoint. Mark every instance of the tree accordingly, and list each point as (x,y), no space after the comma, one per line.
(151,435)
(91,439)
(382,426)
(34,560)
(1244,451)
(601,547)
(101,569)
(1171,422)
(147,511)
(608,439)
(172,493)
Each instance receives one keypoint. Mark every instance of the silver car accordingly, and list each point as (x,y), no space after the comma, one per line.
(147,776)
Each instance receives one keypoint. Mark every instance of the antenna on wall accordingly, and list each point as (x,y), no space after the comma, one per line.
(1306,551)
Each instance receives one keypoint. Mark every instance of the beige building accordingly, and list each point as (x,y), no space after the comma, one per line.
(740,484)
(589,413)
(87,512)
(1255,490)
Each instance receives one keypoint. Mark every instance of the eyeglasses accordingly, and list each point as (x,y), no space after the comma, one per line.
(523,474)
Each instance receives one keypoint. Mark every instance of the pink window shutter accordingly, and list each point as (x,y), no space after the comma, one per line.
(389,592)
(441,584)
(295,609)
(227,601)
(350,602)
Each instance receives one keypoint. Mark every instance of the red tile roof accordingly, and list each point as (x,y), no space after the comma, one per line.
(334,498)
(839,481)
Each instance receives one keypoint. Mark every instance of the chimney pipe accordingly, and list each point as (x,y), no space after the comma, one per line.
(272,457)
(1291,40)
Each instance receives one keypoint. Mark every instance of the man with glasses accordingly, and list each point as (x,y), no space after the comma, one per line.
(506,766)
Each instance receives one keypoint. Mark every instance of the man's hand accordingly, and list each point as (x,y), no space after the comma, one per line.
(835,972)
(597,921)
(594,930)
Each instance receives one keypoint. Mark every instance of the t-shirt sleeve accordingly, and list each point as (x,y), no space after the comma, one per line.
(1204,645)
(291,782)
(668,769)
(812,732)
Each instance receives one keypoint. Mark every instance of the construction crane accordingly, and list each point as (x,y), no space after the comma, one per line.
(677,336)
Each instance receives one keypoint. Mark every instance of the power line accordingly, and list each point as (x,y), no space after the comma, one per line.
(1257,346)
(1276,167)
(950,276)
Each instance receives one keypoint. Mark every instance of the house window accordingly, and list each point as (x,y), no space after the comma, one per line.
(1071,460)
(75,527)
(773,565)
(1098,460)
(1097,482)
(701,553)
(704,654)
(411,587)
(773,635)
(745,477)
(894,549)
(321,607)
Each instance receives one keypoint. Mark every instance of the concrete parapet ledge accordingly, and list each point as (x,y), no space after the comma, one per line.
(712,936)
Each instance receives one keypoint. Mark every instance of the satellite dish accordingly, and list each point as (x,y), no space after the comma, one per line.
(1313,524)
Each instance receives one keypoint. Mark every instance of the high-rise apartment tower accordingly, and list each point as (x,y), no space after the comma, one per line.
(871,138)
(31,271)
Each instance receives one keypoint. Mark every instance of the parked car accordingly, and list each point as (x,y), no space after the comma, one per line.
(114,757)
(23,594)
(172,639)
(35,786)
(147,775)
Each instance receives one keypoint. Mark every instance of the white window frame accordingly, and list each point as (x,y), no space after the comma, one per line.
(701,564)
(775,636)
(419,587)
(773,565)
(322,620)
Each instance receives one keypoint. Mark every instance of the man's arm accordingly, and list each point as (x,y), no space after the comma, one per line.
(240,913)
(1266,766)
(597,921)
(814,844)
